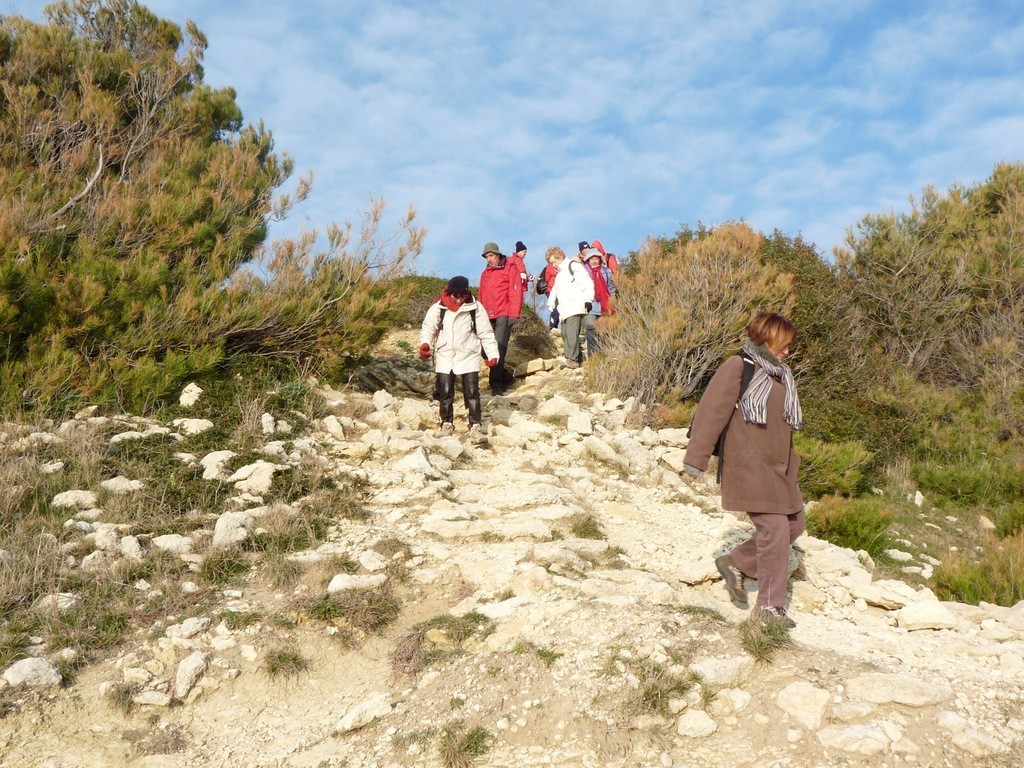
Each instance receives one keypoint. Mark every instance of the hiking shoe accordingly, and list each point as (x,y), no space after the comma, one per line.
(733,580)
(570,364)
(773,614)
(447,429)
(476,435)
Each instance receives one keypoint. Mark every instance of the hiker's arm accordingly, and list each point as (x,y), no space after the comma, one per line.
(716,407)
(485,333)
(429,329)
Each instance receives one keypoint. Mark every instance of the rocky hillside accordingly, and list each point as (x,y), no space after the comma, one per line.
(549,598)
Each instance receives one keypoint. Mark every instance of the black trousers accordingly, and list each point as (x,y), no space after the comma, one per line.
(499,377)
(444,387)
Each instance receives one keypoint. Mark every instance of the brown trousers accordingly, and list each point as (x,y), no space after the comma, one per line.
(765,557)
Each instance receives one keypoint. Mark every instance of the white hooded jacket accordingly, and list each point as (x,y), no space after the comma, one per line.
(456,347)
(573,288)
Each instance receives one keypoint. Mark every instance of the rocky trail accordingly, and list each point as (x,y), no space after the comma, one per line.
(558,605)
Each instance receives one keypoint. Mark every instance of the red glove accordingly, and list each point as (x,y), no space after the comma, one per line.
(425,351)
(492,362)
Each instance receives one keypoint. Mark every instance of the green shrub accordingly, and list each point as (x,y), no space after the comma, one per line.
(861,523)
(1009,520)
(129,224)
(831,468)
(972,480)
(460,746)
(682,307)
(421,291)
(996,576)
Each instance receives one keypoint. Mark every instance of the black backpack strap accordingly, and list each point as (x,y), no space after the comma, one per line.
(440,319)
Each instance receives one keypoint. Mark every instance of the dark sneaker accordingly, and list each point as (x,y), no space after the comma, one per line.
(733,580)
(771,614)
(570,364)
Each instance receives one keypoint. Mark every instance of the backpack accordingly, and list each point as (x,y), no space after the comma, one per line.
(719,450)
(541,286)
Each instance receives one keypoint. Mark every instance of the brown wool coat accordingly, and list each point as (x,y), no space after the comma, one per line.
(760,468)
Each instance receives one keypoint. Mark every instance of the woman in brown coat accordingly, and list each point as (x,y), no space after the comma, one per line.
(759,465)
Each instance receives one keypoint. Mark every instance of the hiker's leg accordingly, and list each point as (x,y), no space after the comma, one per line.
(444,386)
(471,395)
(771,564)
(591,321)
(502,331)
(571,327)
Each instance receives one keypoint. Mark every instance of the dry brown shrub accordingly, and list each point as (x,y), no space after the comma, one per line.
(682,309)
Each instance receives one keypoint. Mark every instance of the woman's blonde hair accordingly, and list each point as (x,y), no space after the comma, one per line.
(552,252)
(772,330)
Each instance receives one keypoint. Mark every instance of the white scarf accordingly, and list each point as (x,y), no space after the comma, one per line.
(754,402)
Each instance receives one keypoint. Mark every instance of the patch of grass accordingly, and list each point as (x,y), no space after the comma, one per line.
(585,526)
(284,662)
(546,655)
(283,572)
(223,565)
(421,736)
(460,745)
(391,546)
(286,529)
(657,687)
(369,610)
(236,620)
(763,640)
(121,698)
(436,639)
(996,575)
(702,612)
(861,523)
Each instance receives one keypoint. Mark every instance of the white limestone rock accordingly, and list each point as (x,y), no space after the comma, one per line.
(805,703)
(861,739)
(695,724)
(192,426)
(121,485)
(213,464)
(174,543)
(346,581)
(928,615)
(256,477)
(363,713)
(885,688)
(724,672)
(190,669)
(58,602)
(32,673)
(188,629)
(76,499)
(190,395)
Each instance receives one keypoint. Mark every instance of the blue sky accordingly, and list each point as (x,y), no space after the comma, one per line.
(559,122)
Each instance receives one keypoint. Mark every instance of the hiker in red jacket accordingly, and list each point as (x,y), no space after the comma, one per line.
(501,292)
(519,259)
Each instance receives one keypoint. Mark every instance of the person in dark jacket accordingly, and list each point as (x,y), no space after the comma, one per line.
(501,291)
(759,465)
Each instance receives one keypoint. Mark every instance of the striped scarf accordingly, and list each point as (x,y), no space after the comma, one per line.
(754,402)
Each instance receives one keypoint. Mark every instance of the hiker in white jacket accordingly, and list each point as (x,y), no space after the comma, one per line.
(572,294)
(456,327)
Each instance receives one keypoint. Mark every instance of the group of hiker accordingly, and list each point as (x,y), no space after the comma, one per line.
(748,412)
(579,291)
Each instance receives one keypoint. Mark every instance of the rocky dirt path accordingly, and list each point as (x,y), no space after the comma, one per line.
(615,650)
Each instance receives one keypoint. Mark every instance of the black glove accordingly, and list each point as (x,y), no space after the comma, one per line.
(588,306)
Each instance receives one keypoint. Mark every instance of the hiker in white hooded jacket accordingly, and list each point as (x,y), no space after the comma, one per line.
(457,328)
(572,295)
